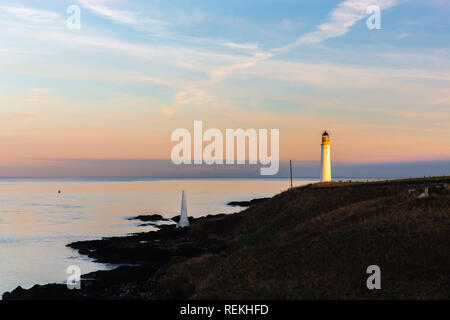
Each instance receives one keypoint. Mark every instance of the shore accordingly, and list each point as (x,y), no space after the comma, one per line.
(311,242)
(140,255)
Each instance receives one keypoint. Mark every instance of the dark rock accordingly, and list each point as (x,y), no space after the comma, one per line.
(47,292)
(147,225)
(246,204)
(152,217)
(140,255)
(177,218)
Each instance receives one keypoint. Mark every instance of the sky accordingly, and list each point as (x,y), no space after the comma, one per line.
(137,70)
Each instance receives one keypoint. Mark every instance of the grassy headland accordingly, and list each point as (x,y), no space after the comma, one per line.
(315,242)
(311,242)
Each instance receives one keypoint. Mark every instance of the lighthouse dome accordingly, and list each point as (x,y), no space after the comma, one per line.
(325,138)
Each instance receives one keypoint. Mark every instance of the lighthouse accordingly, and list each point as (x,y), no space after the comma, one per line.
(325,173)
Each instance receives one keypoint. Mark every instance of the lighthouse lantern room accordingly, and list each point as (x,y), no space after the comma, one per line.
(325,173)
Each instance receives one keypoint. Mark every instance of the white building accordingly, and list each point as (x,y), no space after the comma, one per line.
(325,173)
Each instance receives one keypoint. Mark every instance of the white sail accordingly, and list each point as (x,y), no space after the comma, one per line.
(184,221)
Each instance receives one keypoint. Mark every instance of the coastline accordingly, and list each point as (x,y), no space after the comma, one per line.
(36,252)
(139,255)
(386,222)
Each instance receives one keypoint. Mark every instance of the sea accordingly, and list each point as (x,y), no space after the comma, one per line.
(39,217)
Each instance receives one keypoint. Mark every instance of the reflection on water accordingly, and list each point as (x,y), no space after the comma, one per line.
(36,222)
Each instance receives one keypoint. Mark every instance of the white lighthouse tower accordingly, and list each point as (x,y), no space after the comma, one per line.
(325,173)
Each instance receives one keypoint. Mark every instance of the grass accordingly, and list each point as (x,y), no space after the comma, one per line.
(258,237)
(315,242)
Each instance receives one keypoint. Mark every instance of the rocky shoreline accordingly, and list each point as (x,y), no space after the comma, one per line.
(309,242)
(140,256)
(246,204)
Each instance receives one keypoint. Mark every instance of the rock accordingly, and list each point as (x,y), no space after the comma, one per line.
(150,224)
(152,217)
(425,194)
(139,255)
(177,218)
(47,292)
(246,203)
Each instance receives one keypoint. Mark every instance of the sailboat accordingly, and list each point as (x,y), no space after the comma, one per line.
(184,221)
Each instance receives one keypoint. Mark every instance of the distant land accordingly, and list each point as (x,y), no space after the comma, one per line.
(310,242)
(157,168)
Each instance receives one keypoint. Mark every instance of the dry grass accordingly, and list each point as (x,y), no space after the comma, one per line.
(316,243)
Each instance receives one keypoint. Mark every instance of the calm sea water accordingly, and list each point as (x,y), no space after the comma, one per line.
(36,222)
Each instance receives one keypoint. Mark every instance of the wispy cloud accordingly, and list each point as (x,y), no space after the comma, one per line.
(30,14)
(336,75)
(216,65)
(402,35)
(102,8)
(34,95)
(345,16)
(341,20)
(244,46)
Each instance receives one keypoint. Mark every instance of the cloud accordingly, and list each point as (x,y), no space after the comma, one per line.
(345,16)
(217,66)
(161,168)
(101,8)
(37,94)
(441,101)
(167,112)
(328,74)
(341,20)
(190,95)
(28,115)
(173,55)
(194,92)
(287,25)
(31,14)
(402,35)
(244,46)
(152,80)
(220,73)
